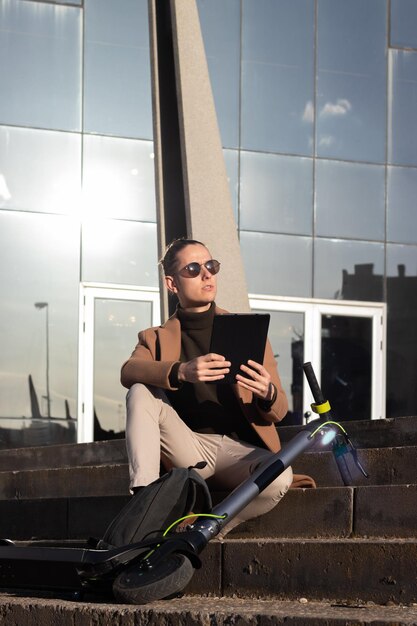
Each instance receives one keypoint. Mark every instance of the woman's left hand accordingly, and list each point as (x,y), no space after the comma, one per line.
(259,382)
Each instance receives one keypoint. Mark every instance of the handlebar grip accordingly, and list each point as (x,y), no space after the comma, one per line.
(312,381)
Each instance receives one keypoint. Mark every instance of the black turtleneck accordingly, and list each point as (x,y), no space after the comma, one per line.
(206,407)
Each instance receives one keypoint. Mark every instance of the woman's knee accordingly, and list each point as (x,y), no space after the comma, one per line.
(139,395)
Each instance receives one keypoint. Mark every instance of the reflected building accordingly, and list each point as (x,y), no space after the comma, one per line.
(317,109)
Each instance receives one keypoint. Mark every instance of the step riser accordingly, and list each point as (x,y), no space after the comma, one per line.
(378,572)
(400,431)
(290,570)
(332,512)
(390,466)
(385,466)
(364,434)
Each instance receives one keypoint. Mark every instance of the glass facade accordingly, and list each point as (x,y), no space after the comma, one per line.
(77,200)
(317,109)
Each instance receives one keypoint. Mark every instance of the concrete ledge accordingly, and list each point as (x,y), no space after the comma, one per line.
(398,431)
(374,511)
(65,482)
(199,611)
(304,513)
(65,455)
(345,570)
(385,466)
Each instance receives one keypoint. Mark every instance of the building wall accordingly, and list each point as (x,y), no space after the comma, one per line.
(317,106)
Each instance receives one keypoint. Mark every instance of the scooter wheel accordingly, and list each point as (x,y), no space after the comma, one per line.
(139,585)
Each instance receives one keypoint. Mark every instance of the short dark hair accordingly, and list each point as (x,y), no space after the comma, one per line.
(169,259)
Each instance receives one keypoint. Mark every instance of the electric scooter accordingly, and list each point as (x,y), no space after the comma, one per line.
(162,567)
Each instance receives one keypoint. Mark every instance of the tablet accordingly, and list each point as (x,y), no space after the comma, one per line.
(239,337)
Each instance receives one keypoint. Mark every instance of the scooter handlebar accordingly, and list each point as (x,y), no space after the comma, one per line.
(312,381)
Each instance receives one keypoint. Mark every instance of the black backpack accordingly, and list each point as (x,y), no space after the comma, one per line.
(155,507)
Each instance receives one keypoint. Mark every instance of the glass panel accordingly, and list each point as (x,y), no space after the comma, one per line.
(277,264)
(117,78)
(402,193)
(401,330)
(231,159)
(119,252)
(402,135)
(220,26)
(403,23)
(346,365)
(276,193)
(116,323)
(286,334)
(351,79)
(40,45)
(348,270)
(350,200)
(277,76)
(40,170)
(39,277)
(118,178)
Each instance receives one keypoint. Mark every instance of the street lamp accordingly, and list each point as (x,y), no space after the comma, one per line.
(44,305)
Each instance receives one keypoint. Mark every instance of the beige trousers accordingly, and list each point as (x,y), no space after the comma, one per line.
(153,427)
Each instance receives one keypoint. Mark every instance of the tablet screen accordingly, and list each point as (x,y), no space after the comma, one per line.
(239,337)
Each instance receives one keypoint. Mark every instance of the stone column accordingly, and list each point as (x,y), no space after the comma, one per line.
(192,191)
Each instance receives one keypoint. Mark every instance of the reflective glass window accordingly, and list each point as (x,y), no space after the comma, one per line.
(277,264)
(401,262)
(403,114)
(401,330)
(40,73)
(40,170)
(348,270)
(118,178)
(350,200)
(402,194)
(117,83)
(286,334)
(277,75)
(116,324)
(119,252)
(403,23)
(276,193)
(220,26)
(351,95)
(231,159)
(39,280)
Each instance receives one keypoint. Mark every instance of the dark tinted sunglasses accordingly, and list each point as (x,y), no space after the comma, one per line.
(192,270)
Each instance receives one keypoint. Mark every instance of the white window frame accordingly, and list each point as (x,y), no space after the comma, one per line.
(89,292)
(313,309)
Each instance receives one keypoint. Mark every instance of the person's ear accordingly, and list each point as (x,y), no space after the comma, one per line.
(170,284)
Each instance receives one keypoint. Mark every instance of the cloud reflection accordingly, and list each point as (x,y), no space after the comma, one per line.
(341,107)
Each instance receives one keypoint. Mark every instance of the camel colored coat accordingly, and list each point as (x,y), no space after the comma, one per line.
(159,348)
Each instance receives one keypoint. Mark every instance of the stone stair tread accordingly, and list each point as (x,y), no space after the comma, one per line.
(385,466)
(201,610)
(391,432)
(398,431)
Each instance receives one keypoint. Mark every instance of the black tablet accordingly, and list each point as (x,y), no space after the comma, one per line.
(239,337)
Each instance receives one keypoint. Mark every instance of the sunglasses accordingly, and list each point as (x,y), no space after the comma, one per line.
(192,270)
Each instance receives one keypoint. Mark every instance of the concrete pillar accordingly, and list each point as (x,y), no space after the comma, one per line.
(192,191)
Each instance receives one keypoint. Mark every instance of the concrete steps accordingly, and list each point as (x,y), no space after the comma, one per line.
(338,547)
(200,611)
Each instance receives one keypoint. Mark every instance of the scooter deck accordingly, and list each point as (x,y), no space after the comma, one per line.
(64,568)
